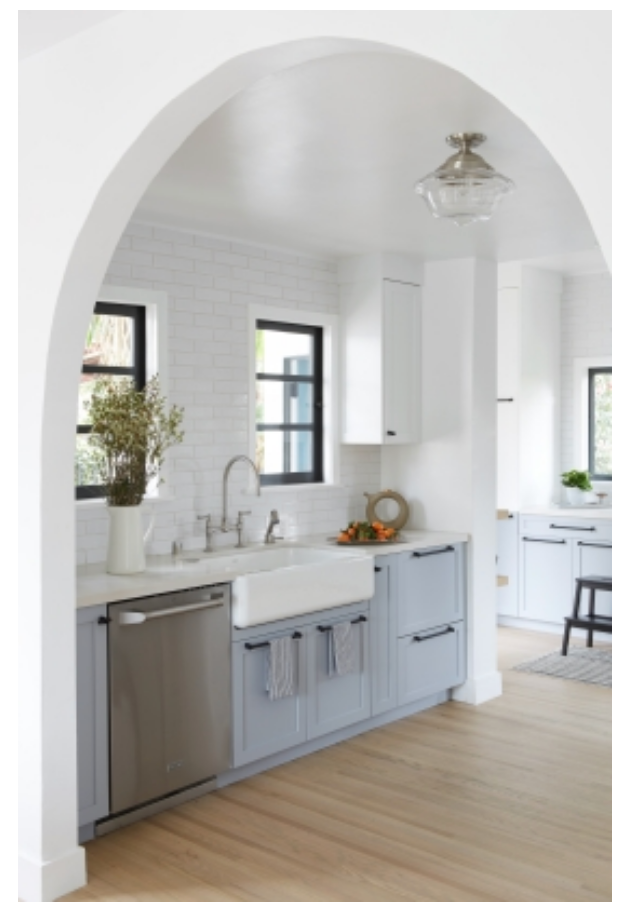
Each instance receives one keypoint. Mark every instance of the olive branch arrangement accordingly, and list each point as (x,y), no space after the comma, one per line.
(131,431)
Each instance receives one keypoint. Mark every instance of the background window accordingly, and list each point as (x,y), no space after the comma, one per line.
(115,346)
(289,412)
(600,388)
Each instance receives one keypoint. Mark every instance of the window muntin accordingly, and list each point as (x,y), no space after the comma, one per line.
(600,426)
(115,346)
(289,410)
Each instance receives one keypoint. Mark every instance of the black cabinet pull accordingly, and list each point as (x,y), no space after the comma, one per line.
(574,528)
(377,570)
(294,637)
(392,433)
(427,637)
(429,554)
(104,620)
(355,621)
(595,545)
(548,541)
(506,400)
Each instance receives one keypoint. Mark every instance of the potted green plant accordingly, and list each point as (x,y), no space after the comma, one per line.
(131,431)
(576,483)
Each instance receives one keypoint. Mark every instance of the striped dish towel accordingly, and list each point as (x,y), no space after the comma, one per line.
(341,656)
(280,676)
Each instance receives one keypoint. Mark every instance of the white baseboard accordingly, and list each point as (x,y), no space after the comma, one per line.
(526,624)
(480,689)
(45,881)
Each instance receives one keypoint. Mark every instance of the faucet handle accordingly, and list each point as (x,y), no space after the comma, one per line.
(241,513)
(206,516)
(274,516)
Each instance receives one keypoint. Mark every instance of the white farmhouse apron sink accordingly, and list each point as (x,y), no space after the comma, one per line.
(271,583)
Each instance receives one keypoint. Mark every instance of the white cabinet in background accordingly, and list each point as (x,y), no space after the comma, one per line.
(553,552)
(381,350)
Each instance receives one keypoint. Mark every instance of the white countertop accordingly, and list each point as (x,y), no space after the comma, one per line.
(165,574)
(586,511)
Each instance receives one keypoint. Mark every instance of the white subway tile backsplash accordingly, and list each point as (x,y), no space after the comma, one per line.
(210,283)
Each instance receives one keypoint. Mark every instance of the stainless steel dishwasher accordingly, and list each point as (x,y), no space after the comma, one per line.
(170,699)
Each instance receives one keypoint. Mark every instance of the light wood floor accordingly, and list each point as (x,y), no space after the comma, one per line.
(510,801)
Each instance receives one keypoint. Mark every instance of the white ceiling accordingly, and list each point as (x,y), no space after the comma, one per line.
(324,157)
(40,29)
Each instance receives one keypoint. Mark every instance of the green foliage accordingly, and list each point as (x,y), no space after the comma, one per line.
(131,430)
(576,479)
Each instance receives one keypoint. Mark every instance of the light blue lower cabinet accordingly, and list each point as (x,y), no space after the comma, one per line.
(262,727)
(431,661)
(430,587)
(337,701)
(92,715)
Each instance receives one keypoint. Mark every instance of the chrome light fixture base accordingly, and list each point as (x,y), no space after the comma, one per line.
(465,189)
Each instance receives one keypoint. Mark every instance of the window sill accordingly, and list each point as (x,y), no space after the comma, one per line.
(313,486)
(93,502)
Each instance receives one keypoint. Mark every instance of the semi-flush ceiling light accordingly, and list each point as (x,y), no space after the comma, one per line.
(466,188)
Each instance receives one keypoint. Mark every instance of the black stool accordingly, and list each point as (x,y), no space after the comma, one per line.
(591,622)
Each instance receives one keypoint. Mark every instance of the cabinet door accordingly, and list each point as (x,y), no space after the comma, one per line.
(429,589)
(546,579)
(383,643)
(262,727)
(336,701)
(401,363)
(431,661)
(595,558)
(92,714)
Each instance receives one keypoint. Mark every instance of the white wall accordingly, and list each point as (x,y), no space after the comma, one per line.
(449,479)
(92,137)
(209,282)
(586,331)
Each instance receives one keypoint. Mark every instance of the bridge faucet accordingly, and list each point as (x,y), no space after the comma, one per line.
(225,486)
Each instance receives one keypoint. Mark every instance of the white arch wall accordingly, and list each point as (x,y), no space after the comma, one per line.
(100,115)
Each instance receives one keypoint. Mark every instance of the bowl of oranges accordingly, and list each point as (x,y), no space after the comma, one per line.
(361,533)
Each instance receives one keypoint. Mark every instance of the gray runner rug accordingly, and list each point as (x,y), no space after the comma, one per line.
(581,664)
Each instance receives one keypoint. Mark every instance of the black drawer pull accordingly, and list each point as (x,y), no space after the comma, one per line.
(104,620)
(377,570)
(595,545)
(427,637)
(392,433)
(355,621)
(429,554)
(505,399)
(574,528)
(294,637)
(549,541)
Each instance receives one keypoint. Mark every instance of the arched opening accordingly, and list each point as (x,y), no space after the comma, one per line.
(73,264)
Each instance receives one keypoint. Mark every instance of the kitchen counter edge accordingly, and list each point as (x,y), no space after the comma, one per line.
(95,587)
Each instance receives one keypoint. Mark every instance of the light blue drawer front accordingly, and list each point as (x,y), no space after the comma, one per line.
(431,661)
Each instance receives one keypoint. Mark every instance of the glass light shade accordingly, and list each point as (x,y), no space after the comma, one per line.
(465,189)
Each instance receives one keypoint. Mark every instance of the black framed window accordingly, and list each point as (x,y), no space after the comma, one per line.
(115,346)
(600,388)
(289,406)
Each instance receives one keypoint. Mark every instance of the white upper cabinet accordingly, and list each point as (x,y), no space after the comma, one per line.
(381,349)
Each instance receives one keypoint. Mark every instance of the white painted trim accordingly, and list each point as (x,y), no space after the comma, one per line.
(479,690)
(45,882)
(581,405)
(330,324)
(156,303)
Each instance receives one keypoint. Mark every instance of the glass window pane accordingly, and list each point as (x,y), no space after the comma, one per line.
(109,342)
(284,403)
(85,388)
(281,452)
(602,395)
(85,472)
(284,352)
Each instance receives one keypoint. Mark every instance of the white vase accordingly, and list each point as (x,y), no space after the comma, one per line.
(575,496)
(125,553)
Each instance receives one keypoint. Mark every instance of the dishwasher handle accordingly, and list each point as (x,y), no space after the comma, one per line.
(133,617)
